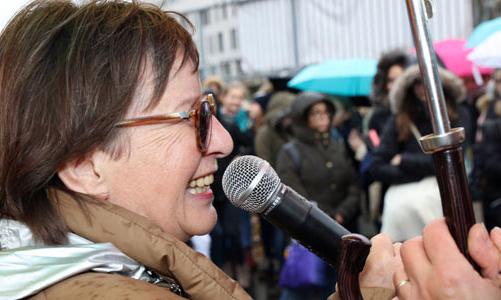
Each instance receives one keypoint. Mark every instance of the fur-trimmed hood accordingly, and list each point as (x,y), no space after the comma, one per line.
(453,87)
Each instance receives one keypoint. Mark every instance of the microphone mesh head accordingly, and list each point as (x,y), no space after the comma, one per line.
(246,191)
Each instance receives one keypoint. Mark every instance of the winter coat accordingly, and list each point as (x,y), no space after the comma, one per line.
(487,151)
(145,243)
(325,174)
(414,165)
(270,137)
(488,156)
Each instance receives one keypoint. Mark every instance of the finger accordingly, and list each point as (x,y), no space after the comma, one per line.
(440,247)
(381,246)
(396,248)
(397,255)
(399,270)
(483,250)
(496,237)
(402,284)
(379,267)
(414,259)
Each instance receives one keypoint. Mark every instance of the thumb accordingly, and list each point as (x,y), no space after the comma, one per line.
(483,250)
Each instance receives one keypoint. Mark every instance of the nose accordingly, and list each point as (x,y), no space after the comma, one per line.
(221,143)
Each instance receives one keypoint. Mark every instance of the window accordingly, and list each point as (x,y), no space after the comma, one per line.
(226,68)
(204,17)
(238,64)
(220,42)
(234,10)
(234,39)
(224,11)
(210,44)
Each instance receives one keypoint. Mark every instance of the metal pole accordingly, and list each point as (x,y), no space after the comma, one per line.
(427,64)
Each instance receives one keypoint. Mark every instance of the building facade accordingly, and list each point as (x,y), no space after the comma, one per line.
(245,38)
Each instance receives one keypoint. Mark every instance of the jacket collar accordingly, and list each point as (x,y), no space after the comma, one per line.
(148,244)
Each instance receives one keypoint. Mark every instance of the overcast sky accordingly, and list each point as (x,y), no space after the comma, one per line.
(8,9)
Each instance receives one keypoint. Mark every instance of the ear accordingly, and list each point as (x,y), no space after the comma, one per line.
(85,175)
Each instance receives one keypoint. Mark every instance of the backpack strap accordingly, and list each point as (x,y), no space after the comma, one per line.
(293,151)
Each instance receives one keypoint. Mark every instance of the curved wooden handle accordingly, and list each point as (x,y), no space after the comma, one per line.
(354,251)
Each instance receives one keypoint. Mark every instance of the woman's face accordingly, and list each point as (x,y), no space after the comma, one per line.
(156,178)
(393,73)
(419,91)
(319,117)
(233,99)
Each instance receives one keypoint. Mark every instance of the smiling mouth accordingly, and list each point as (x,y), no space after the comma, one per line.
(200,185)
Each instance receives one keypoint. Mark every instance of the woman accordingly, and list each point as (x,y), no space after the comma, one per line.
(231,237)
(487,153)
(316,167)
(107,156)
(322,174)
(413,198)
(390,66)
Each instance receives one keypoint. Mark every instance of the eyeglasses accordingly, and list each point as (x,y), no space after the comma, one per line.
(318,113)
(202,119)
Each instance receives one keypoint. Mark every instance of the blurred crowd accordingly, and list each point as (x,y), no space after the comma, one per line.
(362,165)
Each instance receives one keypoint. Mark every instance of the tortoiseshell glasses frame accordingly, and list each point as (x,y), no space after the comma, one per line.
(201,116)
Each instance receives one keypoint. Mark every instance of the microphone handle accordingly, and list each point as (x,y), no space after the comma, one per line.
(306,223)
(319,233)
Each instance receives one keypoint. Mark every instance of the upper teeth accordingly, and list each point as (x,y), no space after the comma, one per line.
(202,181)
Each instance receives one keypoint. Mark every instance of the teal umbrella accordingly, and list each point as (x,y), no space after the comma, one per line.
(346,77)
(483,31)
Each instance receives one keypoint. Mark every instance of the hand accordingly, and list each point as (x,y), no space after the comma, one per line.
(396,160)
(436,269)
(354,140)
(381,264)
(339,218)
(486,251)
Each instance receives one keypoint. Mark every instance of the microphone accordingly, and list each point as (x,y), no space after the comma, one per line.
(250,183)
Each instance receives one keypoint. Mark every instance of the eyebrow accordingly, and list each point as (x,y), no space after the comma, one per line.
(187,101)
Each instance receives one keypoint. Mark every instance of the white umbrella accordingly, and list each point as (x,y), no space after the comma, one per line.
(488,53)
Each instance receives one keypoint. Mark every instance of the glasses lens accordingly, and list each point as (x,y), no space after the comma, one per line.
(204,125)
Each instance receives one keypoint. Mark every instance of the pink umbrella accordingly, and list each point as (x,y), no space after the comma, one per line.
(453,55)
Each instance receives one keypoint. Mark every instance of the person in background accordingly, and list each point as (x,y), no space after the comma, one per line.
(487,153)
(231,237)
(215,85)
(107,153)
(390,66)
(413,198)
(316,166)
(323,174)
(276,131)
(270,137)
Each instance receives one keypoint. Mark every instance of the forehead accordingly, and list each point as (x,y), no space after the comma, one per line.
(319,106)
(182,90)
(395,71)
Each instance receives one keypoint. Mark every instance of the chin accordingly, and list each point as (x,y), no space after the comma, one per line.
(204,223)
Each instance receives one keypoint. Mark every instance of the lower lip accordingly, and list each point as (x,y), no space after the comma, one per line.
(205,196)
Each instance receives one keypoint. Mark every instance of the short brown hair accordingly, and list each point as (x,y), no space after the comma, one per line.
(68,74)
